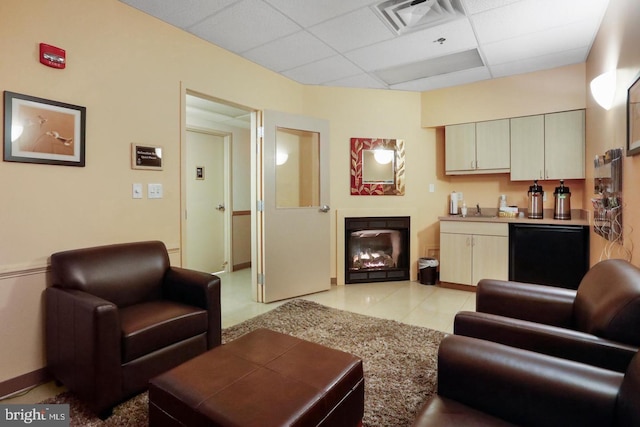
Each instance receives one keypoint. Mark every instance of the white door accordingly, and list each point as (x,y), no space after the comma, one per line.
(294,225)
(205,202)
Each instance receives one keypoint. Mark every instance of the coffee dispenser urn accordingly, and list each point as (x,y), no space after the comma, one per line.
(562,208)
(535,200)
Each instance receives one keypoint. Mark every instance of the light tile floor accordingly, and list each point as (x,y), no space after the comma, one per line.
(408,302)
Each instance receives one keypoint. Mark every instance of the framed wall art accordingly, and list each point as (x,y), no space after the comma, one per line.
(377,167)
(38,130)
(633,118)
(146,157)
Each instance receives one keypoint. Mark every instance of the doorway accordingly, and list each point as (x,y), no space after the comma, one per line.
(215,184)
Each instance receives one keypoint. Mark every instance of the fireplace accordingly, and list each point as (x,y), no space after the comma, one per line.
(376,249)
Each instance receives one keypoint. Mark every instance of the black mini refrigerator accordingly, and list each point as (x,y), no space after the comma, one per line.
(546,254)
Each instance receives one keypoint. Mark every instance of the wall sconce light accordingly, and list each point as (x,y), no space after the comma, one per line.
(281,158)
(603,89)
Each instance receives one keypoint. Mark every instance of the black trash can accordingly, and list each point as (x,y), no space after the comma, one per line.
(427,271)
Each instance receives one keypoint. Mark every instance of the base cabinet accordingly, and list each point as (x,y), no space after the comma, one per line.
(471,251)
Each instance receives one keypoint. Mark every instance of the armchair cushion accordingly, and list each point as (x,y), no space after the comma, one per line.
(149,326)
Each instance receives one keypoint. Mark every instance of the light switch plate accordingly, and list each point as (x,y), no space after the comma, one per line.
(136,191)
(154,191)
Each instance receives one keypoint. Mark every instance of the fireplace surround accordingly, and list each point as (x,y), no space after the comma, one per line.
(376,249)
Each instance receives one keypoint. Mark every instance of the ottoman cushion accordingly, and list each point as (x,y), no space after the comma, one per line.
(263,378)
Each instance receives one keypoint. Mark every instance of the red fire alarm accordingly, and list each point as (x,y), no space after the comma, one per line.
(52,56)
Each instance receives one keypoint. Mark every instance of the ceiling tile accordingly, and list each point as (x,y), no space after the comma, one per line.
(325,70)
(445,80)
(530,16)
(311,12)
(353,30)
(245,25)
(477,6)
(416,46)
(545,62)
(290,52)
(182,13)
(537,45)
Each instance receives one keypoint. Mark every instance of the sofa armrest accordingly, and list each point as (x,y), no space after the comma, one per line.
(551,340)
(200,290)
(524,387)
(538,303)
(75,355)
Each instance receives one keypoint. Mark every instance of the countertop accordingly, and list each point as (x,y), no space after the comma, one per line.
(578,217)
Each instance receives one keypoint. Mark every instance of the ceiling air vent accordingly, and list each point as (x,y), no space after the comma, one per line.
(405,16)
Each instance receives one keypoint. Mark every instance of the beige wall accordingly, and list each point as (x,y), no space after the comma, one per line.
(616,47)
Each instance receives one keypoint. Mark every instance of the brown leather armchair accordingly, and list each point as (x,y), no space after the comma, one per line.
(481,383)
(118,315)
(596,324)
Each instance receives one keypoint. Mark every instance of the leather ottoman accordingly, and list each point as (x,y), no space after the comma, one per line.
(261,379)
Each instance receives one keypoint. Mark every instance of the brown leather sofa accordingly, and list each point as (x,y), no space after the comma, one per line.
(596,324)
(119,315)
(481,383)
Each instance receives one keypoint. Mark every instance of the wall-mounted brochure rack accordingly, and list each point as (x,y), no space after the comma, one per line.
(607,203)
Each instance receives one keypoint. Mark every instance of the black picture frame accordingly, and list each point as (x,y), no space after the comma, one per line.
(633,118)
(38,130)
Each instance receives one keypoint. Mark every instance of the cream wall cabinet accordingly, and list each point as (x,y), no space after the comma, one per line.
(471,251)
(460,147)
(549,146)
(473,148)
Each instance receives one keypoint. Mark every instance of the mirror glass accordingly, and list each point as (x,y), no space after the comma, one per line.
(378,166)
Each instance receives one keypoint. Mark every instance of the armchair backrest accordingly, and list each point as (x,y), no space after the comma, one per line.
(123,274)
(628,404)
(608,302)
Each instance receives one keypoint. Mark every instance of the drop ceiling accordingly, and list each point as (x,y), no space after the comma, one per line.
(414,45)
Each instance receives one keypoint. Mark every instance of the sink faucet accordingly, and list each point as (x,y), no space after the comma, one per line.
(478,211)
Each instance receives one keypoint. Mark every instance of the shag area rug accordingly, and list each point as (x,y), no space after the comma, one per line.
(399,362)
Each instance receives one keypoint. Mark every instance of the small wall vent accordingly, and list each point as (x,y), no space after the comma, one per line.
(405,16)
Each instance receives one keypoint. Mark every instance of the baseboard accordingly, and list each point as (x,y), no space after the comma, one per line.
(24,382)
(457,286)
(241,266)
